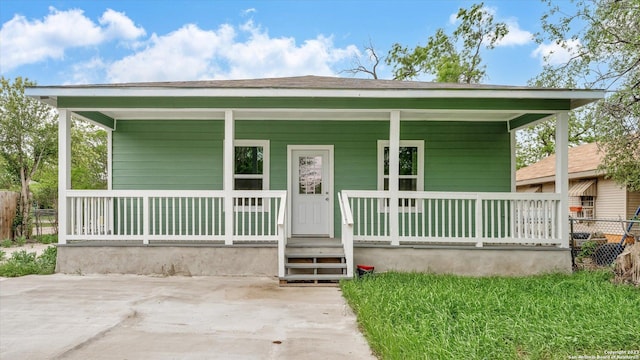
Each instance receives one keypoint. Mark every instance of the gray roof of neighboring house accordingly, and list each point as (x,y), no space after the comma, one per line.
(583,159)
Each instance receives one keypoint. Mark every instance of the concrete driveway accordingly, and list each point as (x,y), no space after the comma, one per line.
(142,317)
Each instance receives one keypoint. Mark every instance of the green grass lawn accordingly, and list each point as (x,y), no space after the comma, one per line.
(425,316)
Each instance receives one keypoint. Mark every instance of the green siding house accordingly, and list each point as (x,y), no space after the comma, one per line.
(305,177)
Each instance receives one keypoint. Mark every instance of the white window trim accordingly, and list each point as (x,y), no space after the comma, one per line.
(265,171)
(420,180)
(588,211)
(403,143)
(265,161)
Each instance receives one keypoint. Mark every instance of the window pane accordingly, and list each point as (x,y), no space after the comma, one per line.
(403,185)
(408,185)
(248,184)
(310,175)
(408,160)
(249,159)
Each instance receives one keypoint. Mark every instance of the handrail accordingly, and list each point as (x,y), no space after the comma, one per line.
(437,195)
(283,208)
(345,209)
(342,216)
(347,231)
(174,193)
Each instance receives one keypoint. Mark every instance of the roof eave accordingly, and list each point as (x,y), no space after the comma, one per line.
(577,97)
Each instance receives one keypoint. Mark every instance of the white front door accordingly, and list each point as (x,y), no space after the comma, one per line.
(310,188)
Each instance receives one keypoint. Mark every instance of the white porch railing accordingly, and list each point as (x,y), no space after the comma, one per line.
(347,233)
(174,215)
(452,217)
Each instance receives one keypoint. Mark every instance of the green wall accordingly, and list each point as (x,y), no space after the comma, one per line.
(187,154)
(168,155)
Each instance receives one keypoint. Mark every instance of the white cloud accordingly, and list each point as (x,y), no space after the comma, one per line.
(89,72)
(515,36)
(556,53)
(453,18)
(248,11)
(191,53)
(24,41)
(119,26)
(183,54)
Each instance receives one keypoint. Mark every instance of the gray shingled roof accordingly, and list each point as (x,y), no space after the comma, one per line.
(585,157)
(302,82)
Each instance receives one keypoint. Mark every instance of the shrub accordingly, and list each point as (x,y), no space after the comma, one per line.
(588,249)
(23,263)
(46,239)
(21,240)
(6,243)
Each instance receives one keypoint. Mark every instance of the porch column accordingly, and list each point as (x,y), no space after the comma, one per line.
(228,155)
(394,171)
(64,171)
(514,166)
(109,159)
(562,175)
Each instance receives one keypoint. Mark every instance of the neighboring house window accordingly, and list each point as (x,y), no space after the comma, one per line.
(251,168)
(411,167)
(588,207)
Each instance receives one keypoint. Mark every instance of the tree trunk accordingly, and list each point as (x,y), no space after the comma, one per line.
(24,206)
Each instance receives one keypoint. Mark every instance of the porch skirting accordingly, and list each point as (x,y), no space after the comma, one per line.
(262,260)
(466,260)
(182,260)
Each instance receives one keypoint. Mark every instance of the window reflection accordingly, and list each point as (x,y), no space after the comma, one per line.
(310,175)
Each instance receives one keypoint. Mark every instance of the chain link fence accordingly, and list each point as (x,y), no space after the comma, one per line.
(597,243)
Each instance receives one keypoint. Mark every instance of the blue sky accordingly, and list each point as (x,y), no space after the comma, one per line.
(72,42)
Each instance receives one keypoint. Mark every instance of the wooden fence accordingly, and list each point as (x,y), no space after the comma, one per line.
(8,204)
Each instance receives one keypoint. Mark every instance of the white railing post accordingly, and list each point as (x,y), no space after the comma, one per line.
(479,220)
(64,172)
(228,155)
(146,219)
(347,231)
(282,235)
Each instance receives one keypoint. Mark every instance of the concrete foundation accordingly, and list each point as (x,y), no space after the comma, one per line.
(168,260)
(472,261)
(263,260)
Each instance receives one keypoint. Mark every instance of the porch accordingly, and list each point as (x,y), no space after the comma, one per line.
(189,232)
(218,175)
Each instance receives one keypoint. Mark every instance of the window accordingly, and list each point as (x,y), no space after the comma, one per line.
(588,207)
(411,169)
(251,166)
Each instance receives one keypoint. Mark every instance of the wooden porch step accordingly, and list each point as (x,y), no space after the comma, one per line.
(334,277)
(314,252)
(312,280)
(314,255)
(316,265)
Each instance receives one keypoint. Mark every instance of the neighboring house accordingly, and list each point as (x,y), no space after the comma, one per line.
(591,196)
(305,177)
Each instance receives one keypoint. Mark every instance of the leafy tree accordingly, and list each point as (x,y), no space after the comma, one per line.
(27,139)
(451,57)
(7,182)
(601,37)
(538,142)
(88,156)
